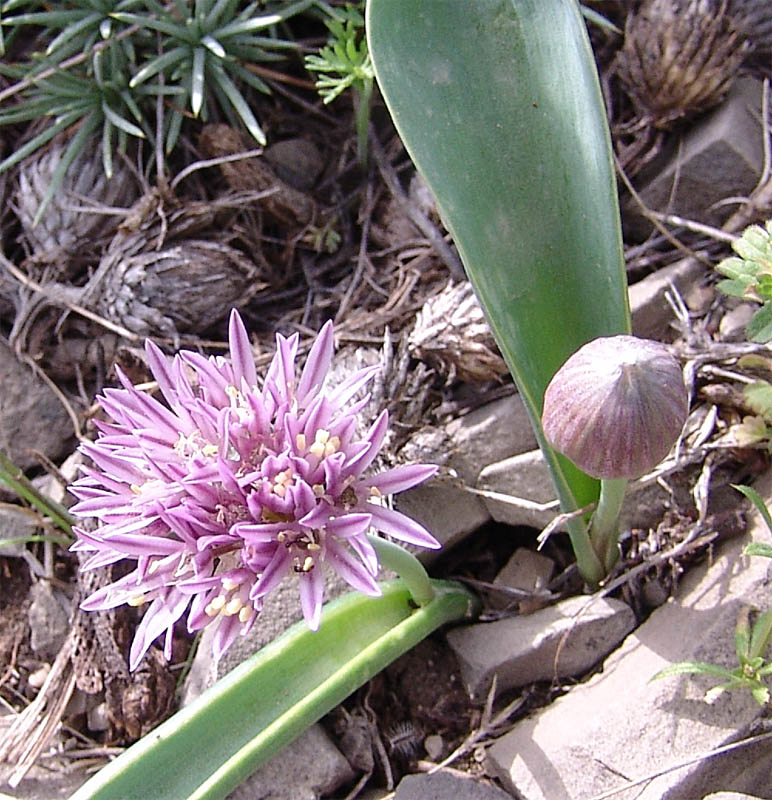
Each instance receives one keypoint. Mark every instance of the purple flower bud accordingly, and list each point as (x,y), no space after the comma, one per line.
(616,406)
(233,484)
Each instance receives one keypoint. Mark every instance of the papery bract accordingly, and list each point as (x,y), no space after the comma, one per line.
(230,486)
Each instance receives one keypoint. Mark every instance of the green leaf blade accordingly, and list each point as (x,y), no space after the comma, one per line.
(499,106)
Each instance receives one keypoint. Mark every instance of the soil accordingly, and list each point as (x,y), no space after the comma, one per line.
(331,240)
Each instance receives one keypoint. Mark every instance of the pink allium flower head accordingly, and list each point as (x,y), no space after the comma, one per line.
(231,485)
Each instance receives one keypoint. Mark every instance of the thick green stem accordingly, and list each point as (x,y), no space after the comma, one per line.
(590,566)
(362,102)
(407,566)
(270,699)
(604,528)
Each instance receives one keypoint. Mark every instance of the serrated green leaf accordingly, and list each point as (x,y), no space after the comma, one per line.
(692,668)
(758,502)
(758,549)
(734,268)
(759,329)
(758,397)
(762,630)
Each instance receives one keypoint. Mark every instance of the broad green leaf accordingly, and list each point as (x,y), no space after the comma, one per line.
(206,749)
(499,106)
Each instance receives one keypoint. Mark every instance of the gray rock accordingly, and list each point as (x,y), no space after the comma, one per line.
(31,416)
(652,315)
(559,641)
(48,621)
(305,770)
(488,434)
(621,726)
(730,796)
(721,156)
(465,446)
(297,162)
(732,325)
(447,512)
(527,494)
(526,482)
(447,786)
(16,523)
(526,571)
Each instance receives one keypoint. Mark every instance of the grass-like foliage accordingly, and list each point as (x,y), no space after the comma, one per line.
(109,66)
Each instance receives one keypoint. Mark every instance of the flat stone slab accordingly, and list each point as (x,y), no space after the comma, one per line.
(559,641)
(721,156)
(307,769)
(619,727)
(445,785)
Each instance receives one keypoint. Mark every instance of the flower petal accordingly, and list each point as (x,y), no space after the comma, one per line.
(401,527)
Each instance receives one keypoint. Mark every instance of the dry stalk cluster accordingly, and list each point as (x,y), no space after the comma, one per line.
(680,57)
(74,215)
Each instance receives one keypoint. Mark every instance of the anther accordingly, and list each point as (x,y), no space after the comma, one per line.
(234,605)
(137,600)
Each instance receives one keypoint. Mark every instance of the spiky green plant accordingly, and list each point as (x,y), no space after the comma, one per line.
(106,64)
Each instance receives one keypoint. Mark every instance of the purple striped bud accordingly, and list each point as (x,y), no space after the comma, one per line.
(616,406)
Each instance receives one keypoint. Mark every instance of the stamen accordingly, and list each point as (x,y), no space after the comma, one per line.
(235,605)
(137,600)
(229,584)
(332,446)
(245,614)
(321,437)
(308,564)
(300,442)
(313,547)
(219,602)
(375,492)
